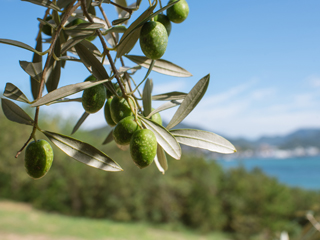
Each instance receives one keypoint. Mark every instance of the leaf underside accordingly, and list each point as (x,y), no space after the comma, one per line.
(83,152)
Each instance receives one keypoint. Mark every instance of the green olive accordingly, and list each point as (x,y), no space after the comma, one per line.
(143,147)
(153,39)
(38,158)
(178,12)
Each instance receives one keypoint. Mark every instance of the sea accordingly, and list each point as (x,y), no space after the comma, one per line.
(303,172)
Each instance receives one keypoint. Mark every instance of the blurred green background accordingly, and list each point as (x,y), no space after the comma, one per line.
(195,198)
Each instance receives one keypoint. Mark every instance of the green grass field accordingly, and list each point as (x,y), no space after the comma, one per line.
(20,221)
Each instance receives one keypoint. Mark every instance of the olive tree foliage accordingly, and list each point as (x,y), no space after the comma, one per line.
(71,42)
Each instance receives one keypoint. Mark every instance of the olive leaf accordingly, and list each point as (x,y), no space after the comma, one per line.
(83,152)
(93,65)
(34,70)
(109,138)
(91,47)
(146,97)
(14,113)
(80,121)
(19,44)
(122,3)
(170,96)
(50,23)
(132,34)
(161,160)
(160,66)
(165,106)
(63,3)
(115,29)
(70,58)
(203,139)
(84,26)
(190,101)
(52,76)
(44,3)
(11,91)
(66,91)
(71,43)
(37,59)
(148,72)
(120,20)
(63,100)
(164,138)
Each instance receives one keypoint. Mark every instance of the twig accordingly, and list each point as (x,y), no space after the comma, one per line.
(69,11)
(105,48)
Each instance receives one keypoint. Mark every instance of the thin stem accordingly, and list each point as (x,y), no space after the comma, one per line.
(40,24)
(121,59)
(108,23)
(123,8)
(105,48)
(69,10)
(160,3)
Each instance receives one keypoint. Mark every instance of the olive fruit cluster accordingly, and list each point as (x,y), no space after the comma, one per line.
(154,34)
(38,158)
(128,131)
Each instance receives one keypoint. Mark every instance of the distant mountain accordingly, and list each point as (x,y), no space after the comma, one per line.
(300,138)
(307,137)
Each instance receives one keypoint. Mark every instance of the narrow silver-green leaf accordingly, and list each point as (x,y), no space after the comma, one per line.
(70,43)
(109,138)
(120,21)
(70,58)
(80,33)
(34,70)
(14,113)
(146,97)
(160,66)
(115,29)
(83,152)
(13,92)
(52,77)
(44,3)
(122,3)
(93,65)
(37,61)
(63,3)
(64,100)
(190,101)
(132,34)
(165,106)
(203,139)
(19,44)
(80,121)
(169,96)
(66,91)
(164,138)
(91,47)
(161,160)
(51,22)
(87,26)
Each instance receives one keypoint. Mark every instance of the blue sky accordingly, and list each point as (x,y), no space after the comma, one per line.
(263,58)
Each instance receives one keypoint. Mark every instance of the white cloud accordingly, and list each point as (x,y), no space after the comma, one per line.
(243,111)
(314,81)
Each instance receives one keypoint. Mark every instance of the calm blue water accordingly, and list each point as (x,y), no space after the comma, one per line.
(301,172)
